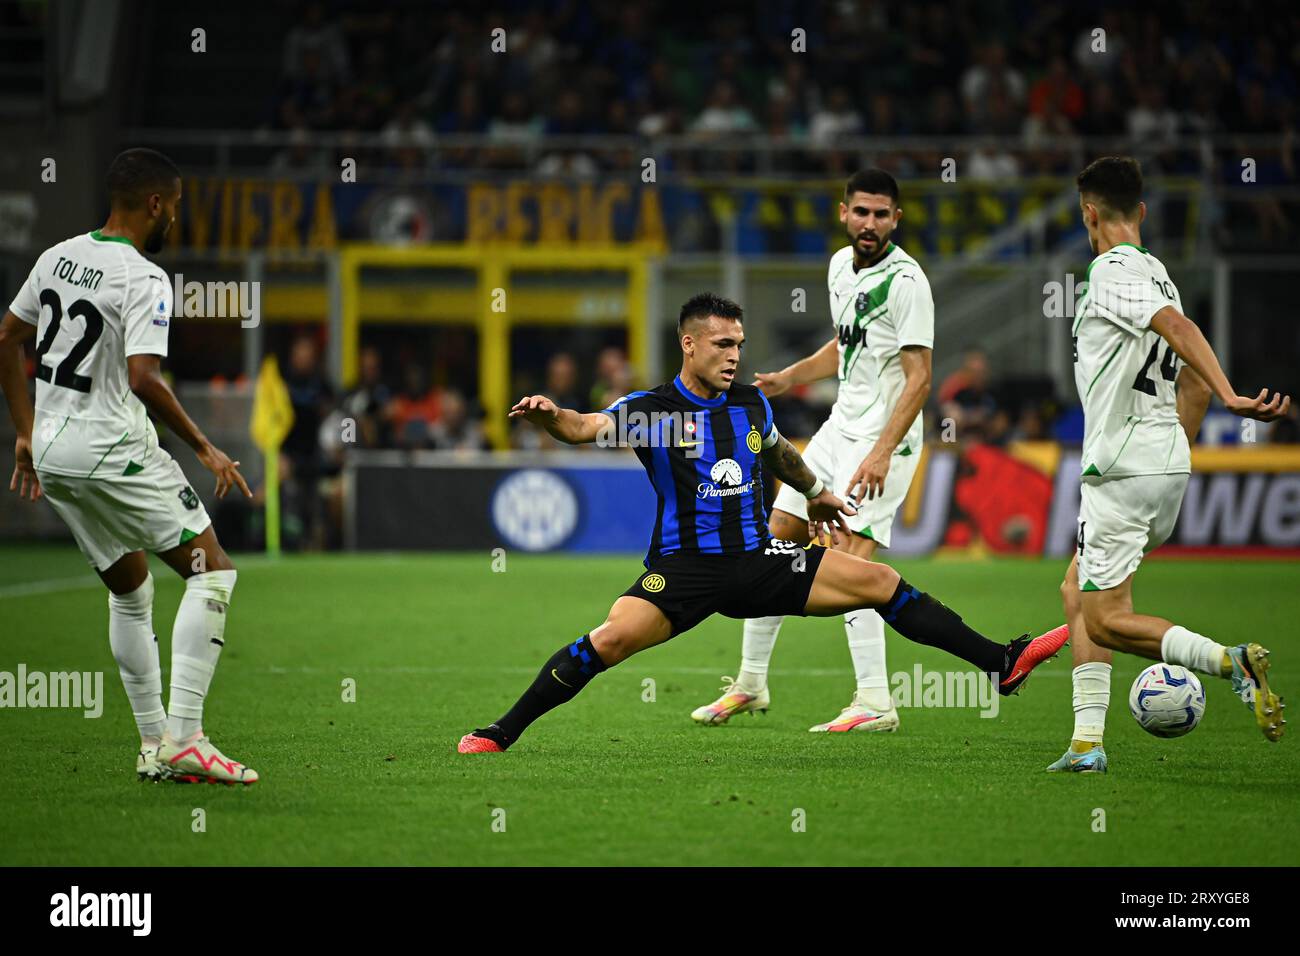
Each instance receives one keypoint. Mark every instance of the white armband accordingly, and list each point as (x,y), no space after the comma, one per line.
(772,438)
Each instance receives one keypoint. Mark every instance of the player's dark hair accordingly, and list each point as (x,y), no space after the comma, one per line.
(136,174)
(1116,181)
(706,304)
(874,181)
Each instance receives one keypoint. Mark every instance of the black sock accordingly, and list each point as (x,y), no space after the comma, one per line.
(569,670)
(920,618)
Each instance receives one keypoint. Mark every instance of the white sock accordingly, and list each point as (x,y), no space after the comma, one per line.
(865,630)
(1091,697)
(756,652)
(135,648)
(196,645)
(1189,649)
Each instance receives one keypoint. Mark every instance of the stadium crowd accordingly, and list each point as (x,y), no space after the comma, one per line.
(1030,76)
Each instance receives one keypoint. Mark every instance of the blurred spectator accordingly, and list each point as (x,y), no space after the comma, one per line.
(299,158)
(989,162)
(455,430)
(312,397)
(964,397)
(836,119)
(613,378)
(408,139)
(368,403)
(569,116)
(516,122)
(315,39)
(467,116)
(413,412)
(1058,92)
(309,98)
(1152,125)
(989,72)
(725,114)
(562,381)
(1103,116)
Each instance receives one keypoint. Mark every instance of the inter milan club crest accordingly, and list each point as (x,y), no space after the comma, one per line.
(860,304)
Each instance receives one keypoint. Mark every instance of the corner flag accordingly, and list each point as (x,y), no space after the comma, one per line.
(271,420)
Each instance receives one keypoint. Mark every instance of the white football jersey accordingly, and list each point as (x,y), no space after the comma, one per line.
(94,301)
(876,312)
(1125,372)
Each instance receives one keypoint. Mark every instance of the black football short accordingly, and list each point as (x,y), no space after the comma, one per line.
(770,580)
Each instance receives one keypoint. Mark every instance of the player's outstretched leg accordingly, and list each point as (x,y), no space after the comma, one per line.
(1111,622)
(632,625)
(1091,685)
(186,754)
(845,582)
(135,648)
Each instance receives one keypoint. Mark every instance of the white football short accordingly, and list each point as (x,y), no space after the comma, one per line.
(1120,520)
(834,457)
(153,509)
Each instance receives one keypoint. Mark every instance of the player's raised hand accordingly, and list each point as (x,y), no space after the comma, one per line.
(826,516)
(537,409)
(1260,407)
(773,384)
(25,480)
(869,480)
(218,462)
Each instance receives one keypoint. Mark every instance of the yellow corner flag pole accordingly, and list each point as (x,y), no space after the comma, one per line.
(272,418)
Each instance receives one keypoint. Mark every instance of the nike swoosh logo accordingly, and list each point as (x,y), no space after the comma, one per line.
(687,444)
(557,677)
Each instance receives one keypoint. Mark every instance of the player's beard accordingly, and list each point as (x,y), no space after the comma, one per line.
(154,242)
(868,253)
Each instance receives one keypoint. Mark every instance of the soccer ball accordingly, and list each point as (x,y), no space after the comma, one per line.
(1167,700)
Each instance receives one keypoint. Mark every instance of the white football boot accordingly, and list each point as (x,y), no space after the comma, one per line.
(859,717)
(146,762)
(733,701)
(197,761)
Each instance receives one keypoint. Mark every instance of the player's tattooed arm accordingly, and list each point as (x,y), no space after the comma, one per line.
(787,464)
(824,509)
(570,427)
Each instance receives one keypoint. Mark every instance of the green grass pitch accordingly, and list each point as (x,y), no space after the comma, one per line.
(439,644)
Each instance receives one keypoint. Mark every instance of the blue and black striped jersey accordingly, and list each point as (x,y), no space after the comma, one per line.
(703,457)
